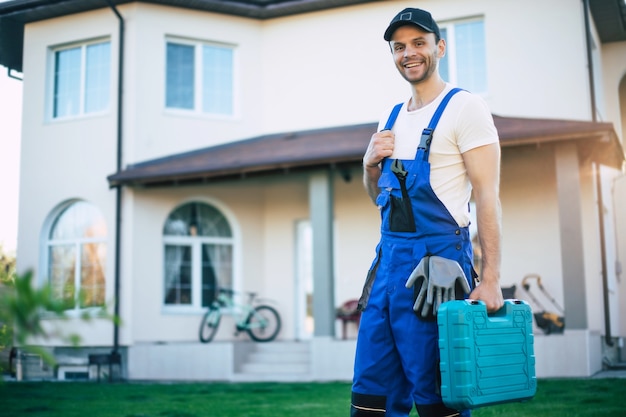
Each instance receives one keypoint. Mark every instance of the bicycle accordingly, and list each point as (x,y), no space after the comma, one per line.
(261,322)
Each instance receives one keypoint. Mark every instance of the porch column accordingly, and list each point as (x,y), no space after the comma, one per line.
(321,212)
(571,233)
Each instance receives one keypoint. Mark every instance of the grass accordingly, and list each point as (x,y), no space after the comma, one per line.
(555,398)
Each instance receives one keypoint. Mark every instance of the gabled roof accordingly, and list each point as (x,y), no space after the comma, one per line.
(296,151)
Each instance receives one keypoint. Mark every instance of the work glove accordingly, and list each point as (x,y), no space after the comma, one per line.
(435,281)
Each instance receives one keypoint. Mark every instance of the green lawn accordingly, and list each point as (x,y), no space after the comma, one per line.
(555,397)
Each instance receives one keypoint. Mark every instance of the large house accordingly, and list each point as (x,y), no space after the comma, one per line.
(172,146)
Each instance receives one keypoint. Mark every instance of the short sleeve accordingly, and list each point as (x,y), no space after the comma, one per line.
(475,125)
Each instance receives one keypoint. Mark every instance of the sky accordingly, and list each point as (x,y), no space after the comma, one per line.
(10,137)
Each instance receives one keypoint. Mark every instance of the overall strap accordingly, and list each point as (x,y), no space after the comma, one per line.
(427,134)
(390,121)
(393,116)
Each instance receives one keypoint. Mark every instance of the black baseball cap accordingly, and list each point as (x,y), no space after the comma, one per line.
(410,16)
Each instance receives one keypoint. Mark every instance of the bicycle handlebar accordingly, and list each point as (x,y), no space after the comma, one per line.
(231,292)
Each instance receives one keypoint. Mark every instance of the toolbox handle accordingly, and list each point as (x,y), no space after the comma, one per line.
(503,310)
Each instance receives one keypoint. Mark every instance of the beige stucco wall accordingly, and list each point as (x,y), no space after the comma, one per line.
(344,73)
(591,242)
(153,131)
(530,222)
(527,75)
(620,202)
(613,72)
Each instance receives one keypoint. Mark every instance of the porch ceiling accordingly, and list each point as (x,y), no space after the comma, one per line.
(296,151)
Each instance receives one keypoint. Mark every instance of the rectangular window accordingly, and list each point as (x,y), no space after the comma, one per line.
(92,279)
(217,271)
(87,289)
(178,274)
(465,62)
(180,76)
(62,273)
(82,78)
(199,77)
(217,80)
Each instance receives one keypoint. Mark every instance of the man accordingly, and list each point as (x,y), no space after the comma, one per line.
(422,185)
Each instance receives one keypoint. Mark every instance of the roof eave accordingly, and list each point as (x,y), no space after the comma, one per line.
(205,177)
(596,141)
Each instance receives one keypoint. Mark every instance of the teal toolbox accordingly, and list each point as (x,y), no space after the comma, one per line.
(486,359)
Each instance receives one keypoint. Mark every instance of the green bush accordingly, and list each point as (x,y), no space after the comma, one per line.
(23,309)
(7,276)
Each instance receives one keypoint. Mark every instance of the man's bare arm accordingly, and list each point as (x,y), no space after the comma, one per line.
(380,147)
(483,169)
(370,181)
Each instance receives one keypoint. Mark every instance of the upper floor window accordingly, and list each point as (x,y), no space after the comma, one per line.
(465,62)
(199,77)
(81,79)
(198,257)
(76,256)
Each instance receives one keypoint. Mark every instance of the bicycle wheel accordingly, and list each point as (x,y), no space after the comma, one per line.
(209,325)
(263,324)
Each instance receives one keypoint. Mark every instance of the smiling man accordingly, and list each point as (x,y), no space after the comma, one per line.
(420,169)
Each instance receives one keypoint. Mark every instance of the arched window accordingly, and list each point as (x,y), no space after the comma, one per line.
(76,256)
(198,255)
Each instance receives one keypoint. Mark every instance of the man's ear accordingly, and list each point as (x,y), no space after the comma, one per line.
(441,48)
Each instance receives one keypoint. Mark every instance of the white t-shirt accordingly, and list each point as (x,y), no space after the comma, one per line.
(466,123)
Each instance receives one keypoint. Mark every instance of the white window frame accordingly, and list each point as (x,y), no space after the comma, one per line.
(46,244)
(451,55)
(198,84)
(196,242)
(51,79)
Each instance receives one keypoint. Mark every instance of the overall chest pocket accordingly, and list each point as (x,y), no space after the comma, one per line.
(395,201)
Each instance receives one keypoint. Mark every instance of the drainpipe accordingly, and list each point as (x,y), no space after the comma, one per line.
(592,86)
(592,91)
(118,188)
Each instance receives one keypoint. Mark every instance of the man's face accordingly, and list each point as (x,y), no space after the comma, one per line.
(415,53)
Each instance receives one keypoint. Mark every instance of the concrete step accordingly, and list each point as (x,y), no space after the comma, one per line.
(279,357)
(253,377)
(279,361)
(273,368)
(286,347)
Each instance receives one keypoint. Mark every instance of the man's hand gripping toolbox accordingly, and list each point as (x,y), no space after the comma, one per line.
(486,358)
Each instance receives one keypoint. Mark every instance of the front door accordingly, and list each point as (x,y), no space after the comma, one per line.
(304,280)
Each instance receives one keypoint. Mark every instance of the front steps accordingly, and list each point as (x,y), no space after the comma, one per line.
(274,361)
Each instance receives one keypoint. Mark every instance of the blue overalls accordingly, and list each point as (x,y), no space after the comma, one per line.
(397,356)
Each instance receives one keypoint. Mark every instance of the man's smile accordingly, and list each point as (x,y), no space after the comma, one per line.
(412,65)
